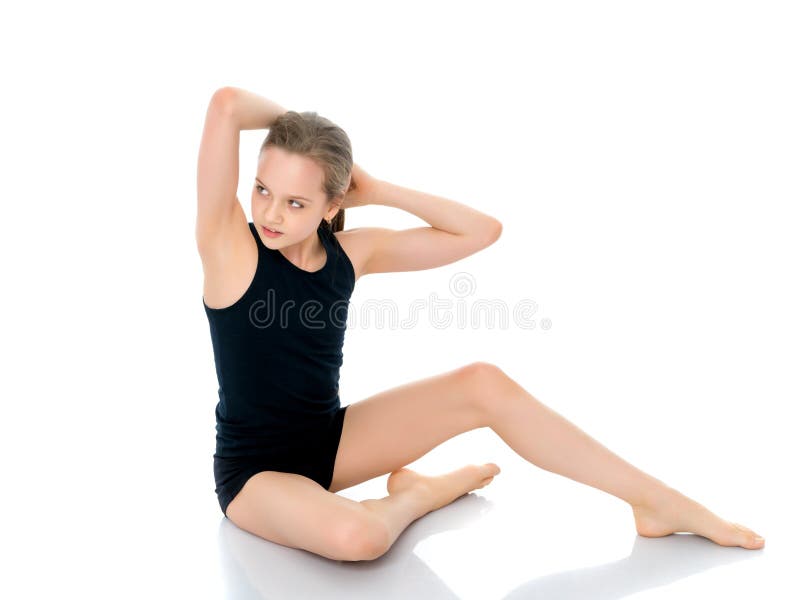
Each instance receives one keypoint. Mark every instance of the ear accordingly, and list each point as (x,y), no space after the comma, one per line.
(336,204)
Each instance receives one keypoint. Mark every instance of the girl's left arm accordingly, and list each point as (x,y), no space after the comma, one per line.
(455,230)
(441,213)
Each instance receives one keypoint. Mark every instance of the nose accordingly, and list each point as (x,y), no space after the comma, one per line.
(273,213)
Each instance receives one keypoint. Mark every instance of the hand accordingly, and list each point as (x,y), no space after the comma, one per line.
(361,190)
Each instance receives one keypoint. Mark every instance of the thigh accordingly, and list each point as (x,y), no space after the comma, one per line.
(295,511)
(396,427)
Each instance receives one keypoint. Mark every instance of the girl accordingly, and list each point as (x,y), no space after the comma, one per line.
(284,444)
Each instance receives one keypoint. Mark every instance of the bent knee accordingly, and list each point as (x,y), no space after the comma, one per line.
(366,538)
(483,376)
(483,380)
(483,367)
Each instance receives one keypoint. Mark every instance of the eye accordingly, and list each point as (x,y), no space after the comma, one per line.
(261,188)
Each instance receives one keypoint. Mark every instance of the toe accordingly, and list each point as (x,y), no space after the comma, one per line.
(749,538)
(754,540)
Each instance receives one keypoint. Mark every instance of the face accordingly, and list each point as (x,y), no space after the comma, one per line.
(288,197)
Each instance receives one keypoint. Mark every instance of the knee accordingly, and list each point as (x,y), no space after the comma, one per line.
(365,538)
(482,367)
(483,376)
(483,379)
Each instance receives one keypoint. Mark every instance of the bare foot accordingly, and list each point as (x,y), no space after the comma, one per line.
(671,512)
(443,489)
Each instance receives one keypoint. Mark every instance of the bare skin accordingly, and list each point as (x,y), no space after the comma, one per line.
(413,495)
(669,511)
(665,513)
(558,446)
(441,490)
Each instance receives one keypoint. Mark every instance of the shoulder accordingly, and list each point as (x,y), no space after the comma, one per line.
(229,266)
(357,244)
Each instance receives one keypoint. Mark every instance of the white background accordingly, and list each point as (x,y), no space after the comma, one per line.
(643,159)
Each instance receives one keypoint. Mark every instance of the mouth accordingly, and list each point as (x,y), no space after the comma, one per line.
(271,232)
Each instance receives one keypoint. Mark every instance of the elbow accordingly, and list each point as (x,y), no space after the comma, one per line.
(495,230)
(499,229)
(224,98)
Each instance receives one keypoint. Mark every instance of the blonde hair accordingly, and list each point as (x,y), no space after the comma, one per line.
(312,135)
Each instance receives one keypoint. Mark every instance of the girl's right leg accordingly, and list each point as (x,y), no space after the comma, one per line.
(295,511)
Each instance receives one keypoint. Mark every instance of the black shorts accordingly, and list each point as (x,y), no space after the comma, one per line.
(313,457)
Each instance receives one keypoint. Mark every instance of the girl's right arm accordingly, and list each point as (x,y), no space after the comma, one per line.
(253,111)
(217,173)
(220,217)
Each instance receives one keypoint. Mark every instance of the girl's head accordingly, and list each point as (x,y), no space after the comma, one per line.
(303,173)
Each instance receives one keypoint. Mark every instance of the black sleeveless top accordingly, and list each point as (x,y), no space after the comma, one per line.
(278,350)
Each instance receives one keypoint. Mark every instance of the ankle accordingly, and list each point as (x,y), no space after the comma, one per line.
(652,493)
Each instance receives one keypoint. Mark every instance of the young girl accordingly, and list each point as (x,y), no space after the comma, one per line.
(276,293)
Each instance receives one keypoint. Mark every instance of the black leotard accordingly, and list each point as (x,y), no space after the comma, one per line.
(278,350)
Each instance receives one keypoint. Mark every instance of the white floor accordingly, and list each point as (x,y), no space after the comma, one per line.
(529,534)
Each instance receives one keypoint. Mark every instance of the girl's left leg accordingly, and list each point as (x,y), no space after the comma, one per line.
(550,441)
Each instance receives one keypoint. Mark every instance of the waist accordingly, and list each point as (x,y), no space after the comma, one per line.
(270,431)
